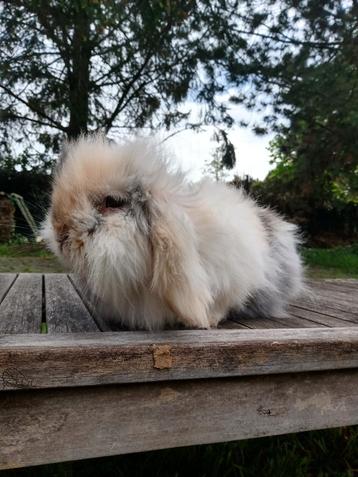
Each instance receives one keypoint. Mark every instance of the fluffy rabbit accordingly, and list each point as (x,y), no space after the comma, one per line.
(157,250)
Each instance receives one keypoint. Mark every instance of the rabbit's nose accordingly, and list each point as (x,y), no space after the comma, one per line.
(92,229)
(85,223)
(94,223)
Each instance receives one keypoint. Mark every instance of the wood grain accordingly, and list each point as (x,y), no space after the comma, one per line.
(335,300)
(65,311)
(231,325)
(291,320)
(344,283)
(43,361)
(330,291)
(298,322)
(260,322)
(69,424)
(86,298)
(321,319)
(323,309)
(335,284)
(21,309)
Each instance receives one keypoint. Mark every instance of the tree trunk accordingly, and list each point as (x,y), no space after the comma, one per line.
(78,77)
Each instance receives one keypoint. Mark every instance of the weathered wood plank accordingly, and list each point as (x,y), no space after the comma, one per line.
(260,323)
(334,288)
(65,311)
(319,318)
(343,283)
(338,301)
(6,281)
(110,420)
(330,307)
(331,291)
(85,296)
(291,320)
(231,325)
(297,322)
(103,358)
(21,309)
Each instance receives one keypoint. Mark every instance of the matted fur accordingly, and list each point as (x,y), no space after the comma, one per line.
(175,252)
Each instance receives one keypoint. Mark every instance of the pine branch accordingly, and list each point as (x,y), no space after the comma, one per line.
(33,108)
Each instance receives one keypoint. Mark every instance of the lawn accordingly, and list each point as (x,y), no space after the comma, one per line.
(28,257)
(330,453)
(338,262)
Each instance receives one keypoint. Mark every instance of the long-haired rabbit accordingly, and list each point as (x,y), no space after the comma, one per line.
(157,250)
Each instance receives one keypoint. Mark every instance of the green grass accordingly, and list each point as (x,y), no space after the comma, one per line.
(28,257)
(338,262)
(23,250)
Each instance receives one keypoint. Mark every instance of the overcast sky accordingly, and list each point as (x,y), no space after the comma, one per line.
(193,149)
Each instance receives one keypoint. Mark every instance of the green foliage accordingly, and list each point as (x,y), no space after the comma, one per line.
(317,152)
(312,80)
(342,261)
(320,197)
(70,66)
(23,256)
(21,247)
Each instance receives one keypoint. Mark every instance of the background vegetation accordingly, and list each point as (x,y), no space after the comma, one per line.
(69,67)
(74,66)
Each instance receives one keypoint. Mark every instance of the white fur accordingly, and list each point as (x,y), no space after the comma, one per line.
(190,254)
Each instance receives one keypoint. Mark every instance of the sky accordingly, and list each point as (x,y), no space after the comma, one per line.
(192,149)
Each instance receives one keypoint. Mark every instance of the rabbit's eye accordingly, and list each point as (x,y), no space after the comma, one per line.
(114,202)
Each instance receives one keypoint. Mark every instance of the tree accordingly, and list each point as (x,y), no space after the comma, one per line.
(309,86)
(320,103)
(71,66)
(319,195)
(214,168)
(292,37)
(224,157)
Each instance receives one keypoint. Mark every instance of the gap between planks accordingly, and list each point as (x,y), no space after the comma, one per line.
(6,282)
(65,311)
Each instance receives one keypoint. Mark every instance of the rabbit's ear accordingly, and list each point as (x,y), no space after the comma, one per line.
(178,277)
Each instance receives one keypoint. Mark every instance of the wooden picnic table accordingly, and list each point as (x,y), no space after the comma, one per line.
(70,389)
